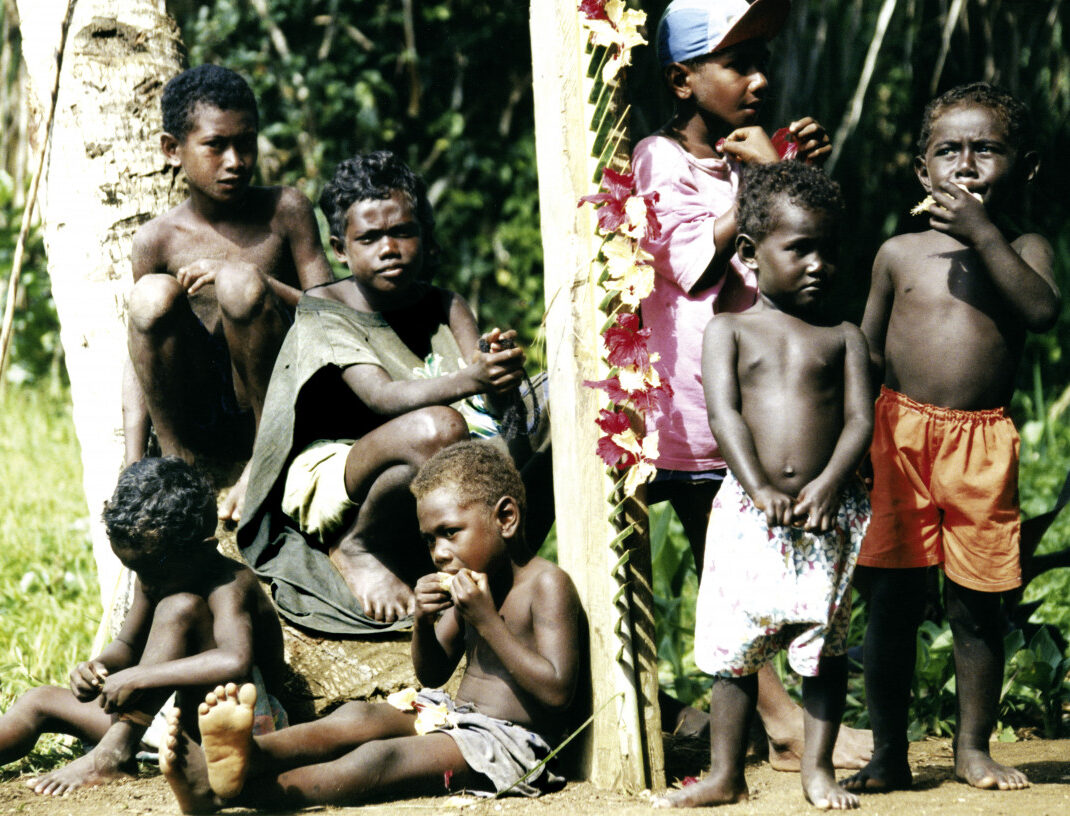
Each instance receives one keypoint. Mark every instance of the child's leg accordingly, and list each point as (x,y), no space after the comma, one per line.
(162,338)
(732,704)
(181,625)
(976,626)
(254,326)
(896,602)
(47,710)
(381,555)
(395,766)
(823,702)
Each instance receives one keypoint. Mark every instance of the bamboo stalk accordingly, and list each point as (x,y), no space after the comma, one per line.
(945,43)
(27,213)
(854,111)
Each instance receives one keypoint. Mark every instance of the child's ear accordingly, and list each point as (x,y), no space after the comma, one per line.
(747,249)
(679,78)
(1028,166)
(921,170)
(169,145)
(338,248)
(507,514)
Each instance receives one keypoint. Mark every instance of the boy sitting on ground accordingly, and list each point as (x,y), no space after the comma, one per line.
(514,617)
(946,320)
(382,358)
(215,282)
(198,619)
(790,405)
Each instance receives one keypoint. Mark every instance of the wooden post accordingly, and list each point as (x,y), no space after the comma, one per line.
(624,747)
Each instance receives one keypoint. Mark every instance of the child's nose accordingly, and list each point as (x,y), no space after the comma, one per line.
(758,81)
(965,164)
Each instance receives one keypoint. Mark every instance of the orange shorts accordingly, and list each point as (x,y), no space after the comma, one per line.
(945,490)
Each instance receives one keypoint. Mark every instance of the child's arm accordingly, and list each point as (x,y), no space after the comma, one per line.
(548,671)
(879,309)
(87,678)
(491,373)
(230,661)
(303,235)
(818,501)
(466,332)
(720,382)
(1022,273)
(437,642)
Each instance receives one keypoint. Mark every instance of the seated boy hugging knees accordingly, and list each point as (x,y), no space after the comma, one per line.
(371,381)
(216,280)
(514,616)
(946,319)
(197,620)
(790,405)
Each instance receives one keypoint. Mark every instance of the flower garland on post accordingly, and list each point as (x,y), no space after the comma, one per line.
(623,270)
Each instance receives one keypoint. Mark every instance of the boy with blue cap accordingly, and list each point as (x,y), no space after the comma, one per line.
(713,53)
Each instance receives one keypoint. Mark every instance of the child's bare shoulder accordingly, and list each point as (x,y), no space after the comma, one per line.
(287,205)
(906,250)
(548,584)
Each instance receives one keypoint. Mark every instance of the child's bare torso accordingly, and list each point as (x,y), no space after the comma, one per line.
(950,340)
(256,235)
(486,683)
(791,382)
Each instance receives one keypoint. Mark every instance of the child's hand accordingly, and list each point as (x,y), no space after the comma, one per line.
(958,213)
(120,690)
(197,275)
(87,678)
(817,506)
(813,140)
(776,505)
(750,145)
(432,596)
(496,371)
(471,595)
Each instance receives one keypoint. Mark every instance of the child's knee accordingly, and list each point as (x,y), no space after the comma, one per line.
(438,426)
(182,610)
(41,702)
(153,299)
(241,291)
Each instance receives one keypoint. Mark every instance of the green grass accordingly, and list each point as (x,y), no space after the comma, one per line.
(49,601)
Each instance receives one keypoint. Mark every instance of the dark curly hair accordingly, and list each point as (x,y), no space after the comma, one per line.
(161,503)
(377,175)
(800,183)
(1013,114)
(211,84)
(478,471)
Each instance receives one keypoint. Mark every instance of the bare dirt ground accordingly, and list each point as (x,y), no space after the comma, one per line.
(936,793)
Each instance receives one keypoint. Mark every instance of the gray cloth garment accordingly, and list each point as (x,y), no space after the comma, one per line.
(326,337)
(500,750)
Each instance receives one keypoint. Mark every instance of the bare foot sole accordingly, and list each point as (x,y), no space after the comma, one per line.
(977,768)
(182,764)
(230,509)
(822,792)
(704,793)
(226,722)
(92,769)
(854,748)
(382,595)
(874,779)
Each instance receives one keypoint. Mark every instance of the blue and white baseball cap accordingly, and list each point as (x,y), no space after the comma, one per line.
(694,28)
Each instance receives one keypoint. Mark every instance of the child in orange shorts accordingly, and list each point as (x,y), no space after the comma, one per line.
(946,319)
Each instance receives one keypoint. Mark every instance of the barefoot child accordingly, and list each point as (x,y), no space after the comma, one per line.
(513,616)
(946,319)
(198,619)
(713,53)
(789,402)
(364,392)
(215,282)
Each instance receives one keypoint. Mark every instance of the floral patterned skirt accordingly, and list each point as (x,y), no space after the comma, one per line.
(765,589)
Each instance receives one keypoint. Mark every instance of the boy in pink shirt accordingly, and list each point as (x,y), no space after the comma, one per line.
(713,53)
